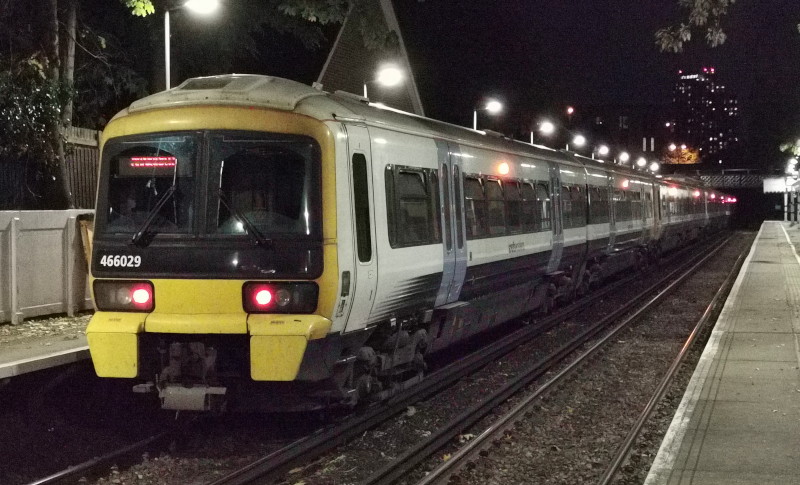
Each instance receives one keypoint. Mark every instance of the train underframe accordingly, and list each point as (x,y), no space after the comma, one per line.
(211,372)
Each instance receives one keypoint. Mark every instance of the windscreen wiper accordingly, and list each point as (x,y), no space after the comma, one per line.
(138,237)
(251,229)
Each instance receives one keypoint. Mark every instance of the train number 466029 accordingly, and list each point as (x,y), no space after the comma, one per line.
(120,261)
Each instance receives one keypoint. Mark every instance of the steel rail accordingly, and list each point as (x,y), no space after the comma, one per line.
(412,458)
(716,303)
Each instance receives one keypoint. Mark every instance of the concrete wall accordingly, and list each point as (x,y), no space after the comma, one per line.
(42,264)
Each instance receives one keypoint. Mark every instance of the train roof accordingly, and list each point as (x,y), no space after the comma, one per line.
(286,95)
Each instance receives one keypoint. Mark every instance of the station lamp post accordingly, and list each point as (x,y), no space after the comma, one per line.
(492,106)
(577,141)
(624,157)
(203,7)
(546,128)
(388,75)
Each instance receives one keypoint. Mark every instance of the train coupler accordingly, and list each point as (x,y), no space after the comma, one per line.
(180,397)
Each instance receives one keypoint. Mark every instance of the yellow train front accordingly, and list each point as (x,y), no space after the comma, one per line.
(214,260)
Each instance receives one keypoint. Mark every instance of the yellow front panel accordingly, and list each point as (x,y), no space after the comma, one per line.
(114,354)
(193,296)
(276,357)
(114,343)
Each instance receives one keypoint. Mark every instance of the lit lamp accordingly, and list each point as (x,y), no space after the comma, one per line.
(203,7)
(546,128)
(641,162)
(492,107)
(602,150)
(624,157)
(578,141)
(388,75)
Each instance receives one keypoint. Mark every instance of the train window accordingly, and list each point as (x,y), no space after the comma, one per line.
(578,194)
(648,203)
(412,207)
(143,171)
(543,207)
(622,206)
(573,206)
(268,183)
(635,198)
(474,208)
(361,204)
(458,201)
(496,207)
(598,205)
(566,206)
(529,219)
(513,206)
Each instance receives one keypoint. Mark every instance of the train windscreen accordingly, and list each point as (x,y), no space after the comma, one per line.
(151,183)
(264,183)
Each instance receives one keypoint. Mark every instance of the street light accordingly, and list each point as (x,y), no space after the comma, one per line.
(492,107)
(603,150)
(641,162)
(203,7)
(547,128)
(624,157)
(578,141)
(654,167)
(388,75)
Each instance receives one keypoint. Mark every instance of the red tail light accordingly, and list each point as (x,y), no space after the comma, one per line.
(280,297)
(124,296)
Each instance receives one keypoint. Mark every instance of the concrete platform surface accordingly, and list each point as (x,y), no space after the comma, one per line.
(739,420)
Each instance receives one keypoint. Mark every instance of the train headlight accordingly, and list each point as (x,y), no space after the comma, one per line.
(279,297)
(124,296)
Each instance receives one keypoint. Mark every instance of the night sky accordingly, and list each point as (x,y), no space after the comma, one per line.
(540,56)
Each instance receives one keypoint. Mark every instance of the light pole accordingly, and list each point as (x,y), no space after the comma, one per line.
(492,107)
(388,75)
(203,7)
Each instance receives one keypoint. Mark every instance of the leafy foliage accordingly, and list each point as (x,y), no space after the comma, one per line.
(703,15)
(140,8)
(30,105)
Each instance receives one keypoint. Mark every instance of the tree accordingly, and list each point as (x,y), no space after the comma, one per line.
(681,156)
(704,16)
(44,77)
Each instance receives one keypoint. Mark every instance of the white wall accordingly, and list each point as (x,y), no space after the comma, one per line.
(42,265)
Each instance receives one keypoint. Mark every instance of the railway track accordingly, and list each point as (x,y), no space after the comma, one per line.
(327,438)
(483,440)
(274,465)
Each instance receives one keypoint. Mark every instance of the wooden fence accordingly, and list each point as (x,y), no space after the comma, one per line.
(23,181)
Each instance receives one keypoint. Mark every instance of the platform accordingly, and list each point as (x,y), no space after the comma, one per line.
(29,352)
(739,420)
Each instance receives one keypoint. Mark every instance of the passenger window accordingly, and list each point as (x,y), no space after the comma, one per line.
(496,206)
(475,208)
(543,207)
(530,220)
(412,207)
(513,206)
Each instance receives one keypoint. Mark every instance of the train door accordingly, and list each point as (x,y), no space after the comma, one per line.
(612,216)
(365,274)
(557,226)
(452,214)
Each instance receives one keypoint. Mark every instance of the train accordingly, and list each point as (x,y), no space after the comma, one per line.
(264,244)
